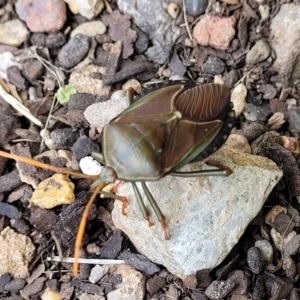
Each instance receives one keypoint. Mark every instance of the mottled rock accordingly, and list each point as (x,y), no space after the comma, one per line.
(83,147)
(213,66)
(202,213)
(286,46)
(131,287)
(42,15)
(16,252)
(163,34)
(258,53)
(255,260)
(13,33)
(215,31)
(54,191)
(73,52)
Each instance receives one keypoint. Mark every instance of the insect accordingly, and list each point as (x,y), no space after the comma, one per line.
(164,128)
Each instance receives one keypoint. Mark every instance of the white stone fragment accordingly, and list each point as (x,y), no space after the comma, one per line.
(98,272)
(205,216)
(89,166)
(238,98)
(99,114)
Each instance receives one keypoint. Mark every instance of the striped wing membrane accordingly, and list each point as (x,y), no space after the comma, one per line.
(204,109)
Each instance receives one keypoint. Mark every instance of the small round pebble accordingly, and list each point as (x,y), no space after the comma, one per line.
(42,15)
(258,53)
(90,166)
(74,51)
(239,142)
(238,98)
(173,10)
(213,66)
(196,8)
(13,33)
(116,95)
(266,250)
(255,260)
(89,29)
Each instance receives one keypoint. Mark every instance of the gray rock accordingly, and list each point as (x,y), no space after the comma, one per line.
(155,22)
(213,66)
(285,40)
(74,51)
(205,216)
(258,53)
(196,8)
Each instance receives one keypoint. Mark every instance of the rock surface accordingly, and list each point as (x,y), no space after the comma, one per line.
(286,46)
(205,216)
(156,23)
(131,287)
(16,252)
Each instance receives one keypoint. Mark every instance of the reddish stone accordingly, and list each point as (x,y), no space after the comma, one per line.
(42,15)
(216,32)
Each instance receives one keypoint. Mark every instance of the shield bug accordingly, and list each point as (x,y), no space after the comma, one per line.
(164,128)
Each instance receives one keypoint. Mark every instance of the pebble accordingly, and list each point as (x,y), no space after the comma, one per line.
(133,83)
(13,33)
(83,147)
(254,260)
(173,10)
(33,70)
(88,9)
(266,250)
(89,29)
(16,252)
(116,95)
(215,31)
(6,62)
(264,11)
(55,40)
(239,142)
(15,77)
(89,166)
(294,119)
(238,98)
(142,41)
(54,191)
(258,53)
(50,295)
(9,211)
(213,66)
(15,285)
(284,29)
(63,138)
(98,272)
(42,16)
(132,285)
(73,52)
(196,8)
(276,121)
(219,289)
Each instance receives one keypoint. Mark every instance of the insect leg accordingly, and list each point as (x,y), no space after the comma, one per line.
(156,209)
(124,200)
(141,203)
(221,171)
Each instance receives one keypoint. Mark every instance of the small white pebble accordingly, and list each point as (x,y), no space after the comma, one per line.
(89,166)
(238,98)
(176,77)
(116,95)
(47,139)
(173,10)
